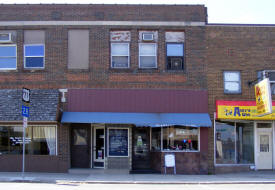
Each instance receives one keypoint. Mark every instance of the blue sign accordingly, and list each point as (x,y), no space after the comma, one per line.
(118,142)
(25,111)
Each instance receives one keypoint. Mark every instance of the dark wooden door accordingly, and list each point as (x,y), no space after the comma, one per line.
(80,146)
(141,148)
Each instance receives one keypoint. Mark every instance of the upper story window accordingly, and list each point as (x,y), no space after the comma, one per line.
(78,49)
(8,57)
(120,51)
(147,55)
(232,82)
(34,49)
(174,50)
(120,55)
(148,49)
(34,56)
(174,54)
(271,75)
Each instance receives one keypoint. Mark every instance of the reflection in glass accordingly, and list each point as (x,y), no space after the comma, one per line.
(225,143)
(39,140)
(245,143)
(180,138)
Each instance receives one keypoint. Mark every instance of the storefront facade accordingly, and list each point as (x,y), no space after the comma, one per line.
(136,138)
(242,139)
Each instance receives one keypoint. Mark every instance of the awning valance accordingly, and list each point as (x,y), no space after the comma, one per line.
(139,119)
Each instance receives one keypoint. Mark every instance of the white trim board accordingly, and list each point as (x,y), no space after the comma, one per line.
(100,23)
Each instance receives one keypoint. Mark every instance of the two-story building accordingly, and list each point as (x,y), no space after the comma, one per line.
(112,86)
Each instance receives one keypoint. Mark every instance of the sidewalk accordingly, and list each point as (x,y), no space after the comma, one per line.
(122,177)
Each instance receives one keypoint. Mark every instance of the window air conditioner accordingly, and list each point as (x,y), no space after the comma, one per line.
(147,36)
(176,63)
(5,38)
(271,76)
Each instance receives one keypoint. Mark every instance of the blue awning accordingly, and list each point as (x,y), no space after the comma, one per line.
(139,119)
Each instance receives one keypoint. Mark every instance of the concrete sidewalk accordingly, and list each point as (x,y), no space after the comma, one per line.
(122,177)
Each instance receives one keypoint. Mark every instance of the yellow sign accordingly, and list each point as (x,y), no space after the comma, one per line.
(240,110)
(263,97)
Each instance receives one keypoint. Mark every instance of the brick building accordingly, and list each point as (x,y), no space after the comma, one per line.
(132,87)
(124,89)
(238,56)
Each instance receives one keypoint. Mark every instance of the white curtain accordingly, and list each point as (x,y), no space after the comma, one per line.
(47,133)
(51,139)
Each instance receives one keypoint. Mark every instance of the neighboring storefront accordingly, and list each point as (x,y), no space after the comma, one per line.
(41,134)
(134,129)
(243,140)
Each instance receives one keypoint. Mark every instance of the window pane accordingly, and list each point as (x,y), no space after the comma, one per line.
(43,141)
(8,63)
(231,76)
(156,139)
(232,87)
(34,62)
(11,140)
(120,61)
(245,143)
(148,62)
(120,49)
(147,49)
(39,140)
(272,86)
(7,51)
(225,143)
(180,139)
(34,50)
(174,49)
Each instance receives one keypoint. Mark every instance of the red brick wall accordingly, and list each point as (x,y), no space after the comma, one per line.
(99,74)
(93,12)
(243,48)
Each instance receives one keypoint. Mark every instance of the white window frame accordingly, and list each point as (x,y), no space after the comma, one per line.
(108,142)
(240,83)
(139,65)
(128,45)
(34,56)
(56,135)
(3,69)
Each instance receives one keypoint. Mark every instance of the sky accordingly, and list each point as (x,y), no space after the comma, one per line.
(219,11)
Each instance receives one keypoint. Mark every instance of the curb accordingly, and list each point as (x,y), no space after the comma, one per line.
(64,182)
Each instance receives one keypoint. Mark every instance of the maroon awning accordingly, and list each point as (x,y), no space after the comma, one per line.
(137,100)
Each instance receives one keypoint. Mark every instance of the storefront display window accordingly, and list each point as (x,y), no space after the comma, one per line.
(175,138)
(180,139)
(245,143)
(39,140)
(234,143)
(156,139)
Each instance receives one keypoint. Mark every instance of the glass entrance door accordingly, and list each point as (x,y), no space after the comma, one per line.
(141,148)
(99,147)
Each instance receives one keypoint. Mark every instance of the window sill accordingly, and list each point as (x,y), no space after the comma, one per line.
(171,151)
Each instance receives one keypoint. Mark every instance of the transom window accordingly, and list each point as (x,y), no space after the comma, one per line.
(175,53)
(34,55)
(148,55)
(120,55)
(8,57)
(232,82)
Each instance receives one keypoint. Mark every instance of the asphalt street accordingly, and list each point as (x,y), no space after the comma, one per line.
(74,186)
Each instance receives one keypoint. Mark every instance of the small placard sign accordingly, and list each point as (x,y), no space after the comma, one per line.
(169,160)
